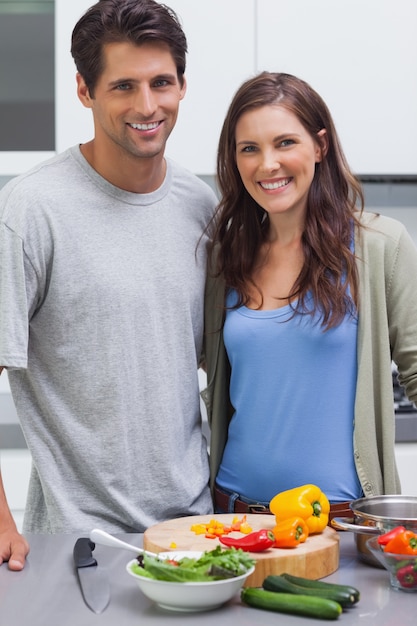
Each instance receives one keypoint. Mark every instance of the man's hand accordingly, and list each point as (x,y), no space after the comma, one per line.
(13,548)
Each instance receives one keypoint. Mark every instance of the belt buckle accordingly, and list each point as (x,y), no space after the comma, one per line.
(258,508)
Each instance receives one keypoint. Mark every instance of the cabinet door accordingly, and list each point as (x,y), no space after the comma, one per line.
(221,49)
(362,58)
(74,123)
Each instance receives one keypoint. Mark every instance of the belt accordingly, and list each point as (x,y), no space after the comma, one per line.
(222,499)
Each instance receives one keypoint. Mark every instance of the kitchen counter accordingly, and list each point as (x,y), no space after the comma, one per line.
(46,592)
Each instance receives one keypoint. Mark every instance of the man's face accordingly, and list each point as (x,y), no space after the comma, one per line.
(136,100)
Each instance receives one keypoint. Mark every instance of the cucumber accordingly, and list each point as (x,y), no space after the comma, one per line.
(321,584)
(307,606)
(281,584)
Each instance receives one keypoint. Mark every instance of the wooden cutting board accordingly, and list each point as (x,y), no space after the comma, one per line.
(315,558)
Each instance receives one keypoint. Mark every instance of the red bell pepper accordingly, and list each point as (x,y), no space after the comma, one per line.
(407,575)
(386,537)
(257,541)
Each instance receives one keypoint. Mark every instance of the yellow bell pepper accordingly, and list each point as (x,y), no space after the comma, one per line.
(307,501)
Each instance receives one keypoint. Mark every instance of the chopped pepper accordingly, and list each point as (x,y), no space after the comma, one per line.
(242,526)
(407,575)
(257,541)
(307,501)
(386,537)
(403,543)
(290,532)
(214,528)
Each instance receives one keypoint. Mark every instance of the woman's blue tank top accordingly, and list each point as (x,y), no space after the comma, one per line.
(293,390)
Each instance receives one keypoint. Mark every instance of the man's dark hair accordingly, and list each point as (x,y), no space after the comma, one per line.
(134,21)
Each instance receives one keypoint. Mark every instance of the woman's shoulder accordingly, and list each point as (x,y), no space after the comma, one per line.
(380,228)
(383,237)
(375,222)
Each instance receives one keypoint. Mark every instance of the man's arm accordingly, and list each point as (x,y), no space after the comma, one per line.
(13,546)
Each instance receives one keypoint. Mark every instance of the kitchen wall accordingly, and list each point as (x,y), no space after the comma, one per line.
(361,56)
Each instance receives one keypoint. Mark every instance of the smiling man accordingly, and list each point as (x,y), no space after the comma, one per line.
(135,106)
(101,296)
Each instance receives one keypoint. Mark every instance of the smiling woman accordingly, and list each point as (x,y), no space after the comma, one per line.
(300,273)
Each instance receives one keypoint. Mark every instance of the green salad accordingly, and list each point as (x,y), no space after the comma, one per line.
(216,564)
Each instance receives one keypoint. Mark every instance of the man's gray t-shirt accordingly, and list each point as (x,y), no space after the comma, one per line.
(101,322)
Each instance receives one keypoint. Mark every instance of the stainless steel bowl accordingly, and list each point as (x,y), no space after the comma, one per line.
(376,515)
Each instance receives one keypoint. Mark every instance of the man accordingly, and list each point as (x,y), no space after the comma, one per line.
(101,296)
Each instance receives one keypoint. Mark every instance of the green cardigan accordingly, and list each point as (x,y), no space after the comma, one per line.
(387,331)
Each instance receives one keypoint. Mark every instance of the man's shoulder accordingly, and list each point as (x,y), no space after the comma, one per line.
(193,184)
(38,188)
(44,172)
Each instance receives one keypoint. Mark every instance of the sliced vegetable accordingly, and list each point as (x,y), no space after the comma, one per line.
(257,541)
(281,584)
(404,542)
(321,584)
(307,606)
(214,528)
(290,532)
(386,537)
(307,501)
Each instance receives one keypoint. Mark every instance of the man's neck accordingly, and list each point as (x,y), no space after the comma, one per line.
(135,174)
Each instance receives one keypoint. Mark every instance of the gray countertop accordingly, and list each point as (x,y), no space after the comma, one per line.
(46,593)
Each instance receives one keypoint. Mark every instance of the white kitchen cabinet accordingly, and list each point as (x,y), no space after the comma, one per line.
(221,55)
(361,57)
(73,122)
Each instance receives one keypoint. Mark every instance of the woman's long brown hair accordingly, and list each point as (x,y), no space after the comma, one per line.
(241,226)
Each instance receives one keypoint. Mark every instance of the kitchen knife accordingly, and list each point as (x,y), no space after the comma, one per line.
(93,580)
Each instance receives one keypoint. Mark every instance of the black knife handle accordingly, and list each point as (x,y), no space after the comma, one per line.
(83,552)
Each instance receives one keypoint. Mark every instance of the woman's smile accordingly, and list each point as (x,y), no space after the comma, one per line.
(273,185)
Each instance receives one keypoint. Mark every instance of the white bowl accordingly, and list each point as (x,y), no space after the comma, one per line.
(202,596)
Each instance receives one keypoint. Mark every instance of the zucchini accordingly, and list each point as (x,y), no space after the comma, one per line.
(321,584)
(307,606)
(281,584)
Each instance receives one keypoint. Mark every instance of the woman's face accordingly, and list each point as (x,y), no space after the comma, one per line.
(276,158)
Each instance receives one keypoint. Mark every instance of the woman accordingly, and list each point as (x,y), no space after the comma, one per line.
(310,300)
